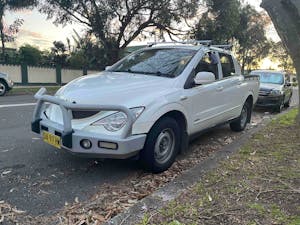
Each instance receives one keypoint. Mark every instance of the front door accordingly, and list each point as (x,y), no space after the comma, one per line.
(204,102)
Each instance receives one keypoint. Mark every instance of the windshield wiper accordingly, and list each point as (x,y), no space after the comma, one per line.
(160,74)
(123,71)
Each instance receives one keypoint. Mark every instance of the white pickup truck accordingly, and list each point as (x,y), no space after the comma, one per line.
(148,104)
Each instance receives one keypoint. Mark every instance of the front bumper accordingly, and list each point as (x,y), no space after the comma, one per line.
(127,145)
(268,101)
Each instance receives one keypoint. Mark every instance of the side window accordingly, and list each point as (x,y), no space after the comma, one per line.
(227,65)
(209,63)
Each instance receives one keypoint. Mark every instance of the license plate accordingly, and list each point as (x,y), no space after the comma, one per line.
(52,139)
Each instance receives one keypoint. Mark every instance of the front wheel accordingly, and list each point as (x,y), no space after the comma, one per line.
(241,123)
(3,88)
(288,103)
(162,146)
(280,106)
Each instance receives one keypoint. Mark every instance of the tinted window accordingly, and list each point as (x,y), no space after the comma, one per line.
(209,63)
(159,62)
(227,65)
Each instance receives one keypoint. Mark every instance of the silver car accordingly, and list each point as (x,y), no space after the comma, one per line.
(6,84)
(275,89)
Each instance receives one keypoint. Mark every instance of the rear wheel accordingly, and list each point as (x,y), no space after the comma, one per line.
(162,146)
(3,88)
(241,123)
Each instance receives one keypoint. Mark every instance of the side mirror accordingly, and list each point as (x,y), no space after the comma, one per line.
(107,68)
(204,78)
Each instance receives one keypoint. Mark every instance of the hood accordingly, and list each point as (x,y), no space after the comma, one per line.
(269,86)
(130,90)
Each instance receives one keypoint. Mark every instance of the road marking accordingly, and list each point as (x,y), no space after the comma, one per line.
(17,105)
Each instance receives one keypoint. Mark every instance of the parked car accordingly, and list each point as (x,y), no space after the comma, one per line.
(148,104)
(275,89)
(6,84)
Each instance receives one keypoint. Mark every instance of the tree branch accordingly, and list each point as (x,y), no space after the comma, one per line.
(72,14)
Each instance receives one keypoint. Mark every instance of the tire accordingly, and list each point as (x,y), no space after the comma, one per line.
(3,88)
(162,146)
(280,106)
(241,123)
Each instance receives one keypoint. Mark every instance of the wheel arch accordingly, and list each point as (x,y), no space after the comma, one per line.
(4,81)
(250,99)
(150,117)
(178,116)
(181,119)
(5,86)
(173,110)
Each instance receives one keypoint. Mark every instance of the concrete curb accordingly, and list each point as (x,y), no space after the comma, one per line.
(163,196)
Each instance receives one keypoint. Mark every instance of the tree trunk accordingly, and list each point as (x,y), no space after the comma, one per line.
(2,39)
(285,15)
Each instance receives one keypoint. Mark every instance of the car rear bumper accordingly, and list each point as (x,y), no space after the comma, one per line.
(126,145)
(268,101)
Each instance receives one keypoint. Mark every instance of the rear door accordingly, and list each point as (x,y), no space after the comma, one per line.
(232,83)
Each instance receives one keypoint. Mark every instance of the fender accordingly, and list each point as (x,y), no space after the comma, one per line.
(249,93)
(150,117)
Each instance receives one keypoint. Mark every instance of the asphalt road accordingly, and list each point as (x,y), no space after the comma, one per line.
(39,179)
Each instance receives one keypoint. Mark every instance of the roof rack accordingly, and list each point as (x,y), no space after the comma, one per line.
(225,47)
(192,42)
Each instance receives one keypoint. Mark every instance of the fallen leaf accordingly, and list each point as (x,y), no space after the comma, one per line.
(99,218)
(6,172)
(134,201)
(209,197)
(253,153)
(18,211)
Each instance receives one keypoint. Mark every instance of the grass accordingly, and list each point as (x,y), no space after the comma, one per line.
(30,90)
(258,185)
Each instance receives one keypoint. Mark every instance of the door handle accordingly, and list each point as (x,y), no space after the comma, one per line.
(220,88)
(237,82)
(182,98)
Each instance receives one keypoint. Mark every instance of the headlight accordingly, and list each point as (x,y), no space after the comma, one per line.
(276,92)
(117,121)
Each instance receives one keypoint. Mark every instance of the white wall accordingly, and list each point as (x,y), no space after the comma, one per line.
(93,72)
(14,72)
(41,75)
(68,75)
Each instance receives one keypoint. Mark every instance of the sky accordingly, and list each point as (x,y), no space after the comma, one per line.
(37,30)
